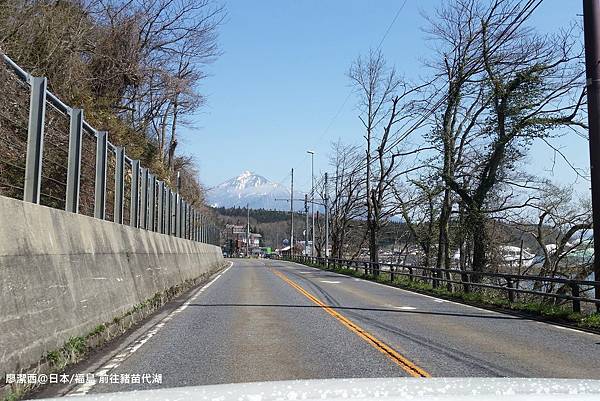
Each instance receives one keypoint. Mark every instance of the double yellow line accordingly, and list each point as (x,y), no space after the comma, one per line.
(385,349)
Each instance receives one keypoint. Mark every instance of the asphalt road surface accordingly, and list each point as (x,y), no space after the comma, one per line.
(272,320)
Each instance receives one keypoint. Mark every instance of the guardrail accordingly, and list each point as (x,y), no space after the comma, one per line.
(510,284)
(68,167)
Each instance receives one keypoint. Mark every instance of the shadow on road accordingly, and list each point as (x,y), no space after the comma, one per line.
(412,312)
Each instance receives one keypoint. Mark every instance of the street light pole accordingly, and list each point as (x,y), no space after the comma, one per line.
(591,28)
(292,216)
(312,197)
(306,232)
(248,231)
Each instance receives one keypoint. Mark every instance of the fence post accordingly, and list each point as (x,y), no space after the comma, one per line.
(176,214)
(119,184)
(144,198)
(199,230)
(100,193)
(198,226)
(74,162)
(168,217)
(202,236)
(152,203)
(575,293)
(184,225)
(193,227)
(134,215)
(189,221)
(511,293)
(35,141)
(161,207)
(181,217)
(465,277)
(193,224)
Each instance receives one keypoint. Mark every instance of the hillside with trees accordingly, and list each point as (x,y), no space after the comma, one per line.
(135,68)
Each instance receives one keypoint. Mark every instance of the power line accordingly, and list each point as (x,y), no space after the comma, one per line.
(521,17)
(339,111)
(391,24)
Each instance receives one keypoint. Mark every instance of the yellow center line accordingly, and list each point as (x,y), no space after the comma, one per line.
(408,366)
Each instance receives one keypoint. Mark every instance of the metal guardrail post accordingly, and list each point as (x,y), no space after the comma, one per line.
(575,293)
(181,218)
(199,227)
(187,221)
(35,141)
(144,198)
(190,222)
(169,213)
(511,292)
(100,193)
(176,213)
(152,203)
(202,237)
(134,212)
(195,225)
(74,162)
(119,184)
(161,207)
(178,216)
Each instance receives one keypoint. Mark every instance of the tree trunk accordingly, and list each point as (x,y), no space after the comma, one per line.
(373,249)
(443,243)
(480,244)
(173,141)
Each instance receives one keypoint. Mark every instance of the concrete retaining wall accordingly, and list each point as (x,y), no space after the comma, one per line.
(62,274)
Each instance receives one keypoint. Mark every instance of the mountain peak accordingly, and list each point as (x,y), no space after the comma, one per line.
(248,188)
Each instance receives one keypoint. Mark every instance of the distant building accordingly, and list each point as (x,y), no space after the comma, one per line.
(236,238)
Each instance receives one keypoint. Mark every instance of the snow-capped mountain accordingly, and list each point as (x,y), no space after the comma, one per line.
(249,188)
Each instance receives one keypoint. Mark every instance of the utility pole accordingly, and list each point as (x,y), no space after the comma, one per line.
(306,231)
(326,220)
(591,28)
(248,231)
(292,215)
(312,197)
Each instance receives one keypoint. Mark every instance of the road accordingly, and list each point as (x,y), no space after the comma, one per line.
(273,320)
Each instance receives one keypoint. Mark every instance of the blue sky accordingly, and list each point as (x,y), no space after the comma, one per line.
(281,80)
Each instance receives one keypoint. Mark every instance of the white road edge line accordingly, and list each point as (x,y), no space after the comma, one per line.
(452,302)
(119,358)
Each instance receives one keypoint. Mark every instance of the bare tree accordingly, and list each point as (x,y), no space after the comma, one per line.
(560,230)
(385,104)
(346,194)
(507,86)
(418,205)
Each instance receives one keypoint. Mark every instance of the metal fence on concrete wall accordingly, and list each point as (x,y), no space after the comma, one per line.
(51,156)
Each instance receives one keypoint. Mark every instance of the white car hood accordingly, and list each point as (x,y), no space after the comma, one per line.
(463,389)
